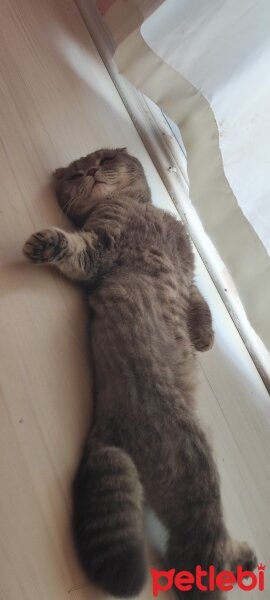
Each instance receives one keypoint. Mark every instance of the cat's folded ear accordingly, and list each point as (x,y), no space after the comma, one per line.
(122,149)
(59,173)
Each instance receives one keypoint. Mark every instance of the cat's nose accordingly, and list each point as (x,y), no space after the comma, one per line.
(92,171)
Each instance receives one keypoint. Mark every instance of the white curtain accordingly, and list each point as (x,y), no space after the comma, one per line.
(207,64)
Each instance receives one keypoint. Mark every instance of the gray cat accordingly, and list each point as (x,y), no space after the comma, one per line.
(147,319)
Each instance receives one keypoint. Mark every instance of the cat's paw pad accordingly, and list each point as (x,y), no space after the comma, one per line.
(44,246)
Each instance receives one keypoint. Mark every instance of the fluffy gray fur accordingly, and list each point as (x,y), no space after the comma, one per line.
(146,445)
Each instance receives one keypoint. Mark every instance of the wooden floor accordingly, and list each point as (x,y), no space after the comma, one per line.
(57,102)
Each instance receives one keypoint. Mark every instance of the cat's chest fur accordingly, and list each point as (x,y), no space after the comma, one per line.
(140,240)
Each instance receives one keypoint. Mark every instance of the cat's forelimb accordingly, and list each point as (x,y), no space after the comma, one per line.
(75,254)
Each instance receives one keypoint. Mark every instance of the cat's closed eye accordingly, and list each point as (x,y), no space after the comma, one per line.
(105,159)
(76,175)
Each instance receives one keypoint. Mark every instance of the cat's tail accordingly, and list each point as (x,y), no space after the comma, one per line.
(108,520)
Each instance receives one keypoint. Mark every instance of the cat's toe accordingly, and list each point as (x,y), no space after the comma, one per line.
(45,246)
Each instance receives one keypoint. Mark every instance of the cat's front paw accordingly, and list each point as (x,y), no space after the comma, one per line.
(48,245)
(204,339)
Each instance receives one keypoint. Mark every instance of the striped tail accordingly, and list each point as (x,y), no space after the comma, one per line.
(108,521)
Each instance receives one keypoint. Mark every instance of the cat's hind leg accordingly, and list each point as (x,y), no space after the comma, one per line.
(195,544)
(199,321)
(108,520)
(206,545)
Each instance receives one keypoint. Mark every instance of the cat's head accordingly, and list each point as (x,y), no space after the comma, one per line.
(96,176)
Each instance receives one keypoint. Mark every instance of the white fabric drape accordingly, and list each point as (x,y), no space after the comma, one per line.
(207,64)
(225,53)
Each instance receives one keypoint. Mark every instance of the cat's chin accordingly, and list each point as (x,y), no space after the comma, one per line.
(100,189)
